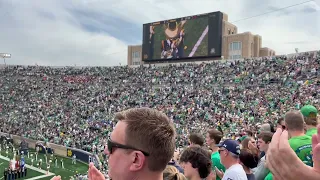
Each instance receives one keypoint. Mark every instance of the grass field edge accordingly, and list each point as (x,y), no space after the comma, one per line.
(46,174)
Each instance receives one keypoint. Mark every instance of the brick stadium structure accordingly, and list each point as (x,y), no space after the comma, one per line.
(247,45)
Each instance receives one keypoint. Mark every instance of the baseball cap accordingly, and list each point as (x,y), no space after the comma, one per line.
(231,145)
(307,109)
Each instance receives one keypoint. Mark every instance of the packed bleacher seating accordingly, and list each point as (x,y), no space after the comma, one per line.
(75,106)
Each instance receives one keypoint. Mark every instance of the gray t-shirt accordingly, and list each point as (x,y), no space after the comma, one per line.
(235,172)
(251,177)
(260,172)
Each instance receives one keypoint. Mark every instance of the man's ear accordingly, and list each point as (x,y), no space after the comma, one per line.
(138,160)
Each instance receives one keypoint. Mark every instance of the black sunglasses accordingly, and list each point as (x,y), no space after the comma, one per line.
(221,150)
(112,145)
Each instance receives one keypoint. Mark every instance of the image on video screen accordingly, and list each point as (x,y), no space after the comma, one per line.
(180,38)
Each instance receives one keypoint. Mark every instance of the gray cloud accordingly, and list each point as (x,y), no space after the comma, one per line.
(309,10)
(48,15)
(97,22)
(97,32)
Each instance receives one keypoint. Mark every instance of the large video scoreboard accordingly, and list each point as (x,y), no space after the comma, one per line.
(183,38)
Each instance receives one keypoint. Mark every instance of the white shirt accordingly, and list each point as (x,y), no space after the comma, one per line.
(235,172)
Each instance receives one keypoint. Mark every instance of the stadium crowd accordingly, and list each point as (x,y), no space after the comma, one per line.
(75,106)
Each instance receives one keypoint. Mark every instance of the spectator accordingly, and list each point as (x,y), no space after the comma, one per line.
(246,141)
(249,133)
(249,160)
(196,163)
(172,173)
(285,164)
(280,123)
(229,154)
(174,161)
(140,146)
(264,140)
(310,117)
(265,128)
(212,139)
(75,106)
(196,139)
(240,140)
(299,142)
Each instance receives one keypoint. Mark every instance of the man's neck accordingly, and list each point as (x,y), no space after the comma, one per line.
(266,150)
(228,165)
(196,177)
(296,133)
(214,148)
(153,176)
(247,170)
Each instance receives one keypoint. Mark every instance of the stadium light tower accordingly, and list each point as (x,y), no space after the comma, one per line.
(4,56)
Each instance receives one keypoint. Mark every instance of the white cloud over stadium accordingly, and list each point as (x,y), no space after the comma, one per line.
(97,32)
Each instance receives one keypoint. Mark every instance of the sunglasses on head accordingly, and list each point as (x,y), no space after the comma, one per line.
(112,145)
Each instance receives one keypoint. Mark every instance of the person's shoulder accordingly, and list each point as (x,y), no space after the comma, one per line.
(236,172)
(263,158)
(251,177)
(215,156)
(300,140)
(311,132)
(234,177)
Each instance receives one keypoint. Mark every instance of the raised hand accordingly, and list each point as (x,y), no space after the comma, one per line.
(94,173)
(285,164)
(316,150)
(212,175)
(56,178)
(219,173)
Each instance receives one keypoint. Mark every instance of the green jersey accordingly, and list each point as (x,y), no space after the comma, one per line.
(302,146)
(215,158)
(311,132)
(269,176)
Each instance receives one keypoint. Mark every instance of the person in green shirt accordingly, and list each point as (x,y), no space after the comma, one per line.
(299,142)
(309,113)
(269,176)
(213,138)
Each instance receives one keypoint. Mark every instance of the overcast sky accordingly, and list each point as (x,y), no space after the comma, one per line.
(97,32)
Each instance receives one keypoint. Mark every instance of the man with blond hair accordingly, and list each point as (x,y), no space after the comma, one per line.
(140,146)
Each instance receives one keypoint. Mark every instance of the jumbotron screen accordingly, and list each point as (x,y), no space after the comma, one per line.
(188,37)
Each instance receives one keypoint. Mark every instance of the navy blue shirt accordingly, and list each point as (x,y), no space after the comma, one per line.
(173,163)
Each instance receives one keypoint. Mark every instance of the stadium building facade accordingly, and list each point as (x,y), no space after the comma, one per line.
(234,45)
